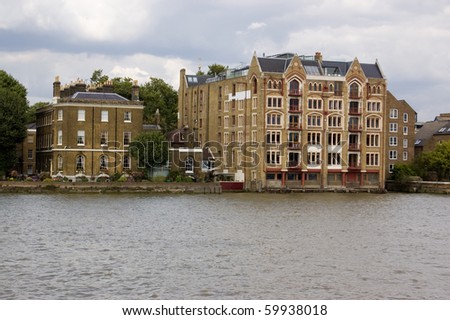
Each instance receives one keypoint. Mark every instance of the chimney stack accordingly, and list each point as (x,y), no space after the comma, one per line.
(135,91)
(56,89)
(318,57)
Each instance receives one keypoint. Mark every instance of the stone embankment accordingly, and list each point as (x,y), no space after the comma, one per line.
(108,187)
(419,187)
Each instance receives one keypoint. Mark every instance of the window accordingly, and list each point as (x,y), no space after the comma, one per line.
(405,117)
(240,120)
(314,121)
(273,102)
(30,153)
(294,122)
(373,140)
(294,104)
(315,104)
(314,138)
(254,119)
(405,143)
(104,138)
(293,159)
(294,87)
(104,116)
(80,163)
(254,136)
(255,102)
(60,114)
(126,162)
(393,154)
(226,121)
(81,115)
(60,163)
(274,119)
(294,140)
(189,165)
(126,138)
(354,91)
(80,138)
(391,167)
(127,116)
(393,127)
(255,86)
(335,121)
(103,162)
(393,114)
(373,106)
(373,123)
(334,139)
(273,137)
(405,130)
(392,141)
(60,137)
(30,139)
(314,158)
(335,105)
(334,159)
(405,155)
(273,157)
(372,159)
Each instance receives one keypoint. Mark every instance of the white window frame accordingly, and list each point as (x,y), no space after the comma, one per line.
(81,138)
(104,116)
(81,115)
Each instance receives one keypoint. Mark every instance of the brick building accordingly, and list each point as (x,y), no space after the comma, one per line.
(400,132)
(289,121)
(86,131)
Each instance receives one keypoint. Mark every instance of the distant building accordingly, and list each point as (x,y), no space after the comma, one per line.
(432,133)
(86,131)
(289,121)
(400,132)
(26,152)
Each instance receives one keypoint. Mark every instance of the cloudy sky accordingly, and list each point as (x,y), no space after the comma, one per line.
(40,39)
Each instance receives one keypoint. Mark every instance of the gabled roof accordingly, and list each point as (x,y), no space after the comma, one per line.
(430,129)
(98,96)
(371,70)
(278,65)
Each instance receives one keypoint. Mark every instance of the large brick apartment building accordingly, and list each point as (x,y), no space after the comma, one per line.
(289,121)
(86,131)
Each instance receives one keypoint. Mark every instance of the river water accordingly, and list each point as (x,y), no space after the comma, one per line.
(228,246)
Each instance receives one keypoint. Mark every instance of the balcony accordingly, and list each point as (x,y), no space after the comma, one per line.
(354,146)
(295,109)
(354,165)
(354,110)
(354,95)
(294,145)
(295,126)
(293,164)
(295,92)
(354,127)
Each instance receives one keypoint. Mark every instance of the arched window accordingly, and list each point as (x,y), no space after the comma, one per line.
(379,90)
(255,85)
(294,87)
(103,162)
(310,87)
(269,84)
(80,162)
(354,91)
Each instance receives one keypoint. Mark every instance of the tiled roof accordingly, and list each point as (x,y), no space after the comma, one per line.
(98,96)
(430,129)
(274,64)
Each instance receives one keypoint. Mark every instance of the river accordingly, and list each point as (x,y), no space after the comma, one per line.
(228,246)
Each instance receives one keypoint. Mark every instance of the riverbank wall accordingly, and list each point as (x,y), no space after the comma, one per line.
(108,187)
(419,186)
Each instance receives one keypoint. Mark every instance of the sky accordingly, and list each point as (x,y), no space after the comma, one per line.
(41,39)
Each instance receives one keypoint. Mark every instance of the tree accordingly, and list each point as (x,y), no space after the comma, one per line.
(437,161)
(98,77)
(157,94)
(215,69)
(150,149)
(13,108)
(31,111)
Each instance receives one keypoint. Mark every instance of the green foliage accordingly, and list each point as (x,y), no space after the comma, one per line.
(98,77)
(150,149)
(31,111)
(157,94)
(123,86)
(13,108)
(123,178)
(435,163)
(402,172)
(215,69)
